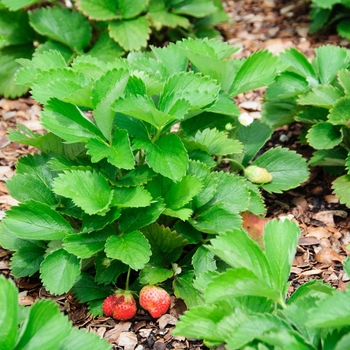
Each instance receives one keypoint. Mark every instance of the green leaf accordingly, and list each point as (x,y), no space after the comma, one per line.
(209,182)
(21,185)
(199,91)
(108,270)
(280,242)
(85,245)
(298,63)
(256,204)
(324,136)
(44,325)
(9,311)
(59,270)
(118,153)
(64,84)
(278,113)
(85,289)
(216,142)
(288,169)
(328,61)
(341,189)
(239,282)
(26,261)
(344,80)
(323,96)
(253,137)
(231,187)
(184,289)
(83,339)
(15,5)
(326,4)
(89,66)
(138,176)
(199,8)
(152,274)
(67,27)
(88,190)
(206,318)
(258,70)
(68,122)
(203,260)
(33,220)
(95,9)
(130,10)
(162,18)
(238,250)
(209,57)
(132,197)
(166,245)
(333,311)
(343,29)
(105,48)
(334,157)
(105,91)
(217,218)
(14,28)
(287,85)
(10,241)
(132,249)
(136,218)
(9,67)
(339,114)
(312,115)
(143,108)
(41,62)
(255,327)
(48,45)
(166,156)
(131,34)
(176,195)
(346,265)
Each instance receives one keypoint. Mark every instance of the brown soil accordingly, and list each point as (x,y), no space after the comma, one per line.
(257,24)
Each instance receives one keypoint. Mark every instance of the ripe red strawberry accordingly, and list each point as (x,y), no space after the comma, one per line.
(155,300)
(121,305)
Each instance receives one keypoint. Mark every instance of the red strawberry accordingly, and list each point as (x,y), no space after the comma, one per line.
(155,300)
(108,305)
(121,305)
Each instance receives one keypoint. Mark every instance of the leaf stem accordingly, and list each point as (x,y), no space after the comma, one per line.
(127,279)
(236,163)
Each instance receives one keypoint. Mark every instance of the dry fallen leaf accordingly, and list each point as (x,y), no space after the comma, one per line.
(128,340)
(328,256)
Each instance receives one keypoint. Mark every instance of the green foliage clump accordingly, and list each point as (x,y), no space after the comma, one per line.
(104,29)
(129,174)
(326,13)
(316,94)
(245,306)
(40,326)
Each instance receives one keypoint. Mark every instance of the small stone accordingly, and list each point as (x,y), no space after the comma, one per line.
(159,345)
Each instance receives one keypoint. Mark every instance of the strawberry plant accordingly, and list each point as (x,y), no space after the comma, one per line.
(130,177)
(245,306)
(105,29)
(39,326)
(317,95)
(327,13)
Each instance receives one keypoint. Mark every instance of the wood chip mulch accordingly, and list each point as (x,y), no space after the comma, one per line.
(256,24)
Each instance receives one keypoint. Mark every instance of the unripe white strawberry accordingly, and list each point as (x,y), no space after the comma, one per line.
(257,174)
